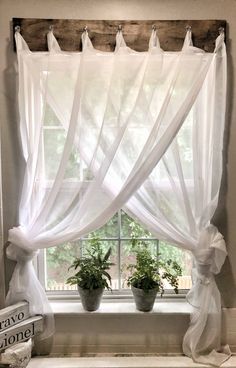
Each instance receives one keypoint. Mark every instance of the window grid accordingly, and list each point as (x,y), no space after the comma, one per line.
(119,239)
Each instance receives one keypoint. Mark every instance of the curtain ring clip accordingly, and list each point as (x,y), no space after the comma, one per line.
(85,29)
(119,28)
(154,28)
(221,30)
(188,28)
(17,29)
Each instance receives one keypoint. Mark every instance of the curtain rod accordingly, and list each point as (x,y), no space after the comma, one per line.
(137,32)
(120,28)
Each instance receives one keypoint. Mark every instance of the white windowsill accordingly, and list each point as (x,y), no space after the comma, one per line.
(124,362)
(123,308)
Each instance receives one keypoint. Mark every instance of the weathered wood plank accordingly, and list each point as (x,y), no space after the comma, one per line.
(21,332)
(13,315)
(102,32)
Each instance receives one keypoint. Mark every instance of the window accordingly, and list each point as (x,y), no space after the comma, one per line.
(115,234)
(54,262)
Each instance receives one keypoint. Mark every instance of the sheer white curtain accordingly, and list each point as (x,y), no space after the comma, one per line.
(178,200)
(117,113)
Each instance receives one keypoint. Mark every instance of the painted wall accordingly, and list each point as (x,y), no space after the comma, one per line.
(116,9)
(129,333)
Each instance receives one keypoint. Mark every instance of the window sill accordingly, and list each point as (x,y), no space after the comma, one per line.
(118,327)
(119,362)
(122,308)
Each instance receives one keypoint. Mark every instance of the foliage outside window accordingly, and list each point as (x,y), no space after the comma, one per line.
(117,235)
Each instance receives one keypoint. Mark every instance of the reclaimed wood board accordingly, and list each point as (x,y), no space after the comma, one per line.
(13,315)
(102,33)
(21,332)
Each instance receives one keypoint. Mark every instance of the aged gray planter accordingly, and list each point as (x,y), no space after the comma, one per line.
(144,300)
(90,299)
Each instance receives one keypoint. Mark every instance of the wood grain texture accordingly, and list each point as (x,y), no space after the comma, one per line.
(102,33)
(21,332)
(13,315)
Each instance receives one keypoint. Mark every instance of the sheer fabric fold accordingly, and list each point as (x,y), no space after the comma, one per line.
(178,201)
(103,104)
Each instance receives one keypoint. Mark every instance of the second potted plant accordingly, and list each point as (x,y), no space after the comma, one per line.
(92,277)
(148,275)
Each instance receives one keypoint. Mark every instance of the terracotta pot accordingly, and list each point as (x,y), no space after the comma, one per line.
(90,299)
(144,300)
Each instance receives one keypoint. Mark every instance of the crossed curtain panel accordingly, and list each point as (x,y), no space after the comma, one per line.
(147,129)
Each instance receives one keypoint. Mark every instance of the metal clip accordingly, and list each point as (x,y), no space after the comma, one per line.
(188,28)
(221,30)
(119,28)
(154,28)
(17,29)
(51,27)
(85,29)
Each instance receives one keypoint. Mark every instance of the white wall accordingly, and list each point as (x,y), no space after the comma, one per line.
(130,333)
(136,333)
(116,9)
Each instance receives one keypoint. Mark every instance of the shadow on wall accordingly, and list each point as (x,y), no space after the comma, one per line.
(12,160)
(226,280)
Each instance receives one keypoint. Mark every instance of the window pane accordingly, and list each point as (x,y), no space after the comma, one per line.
(58,260)
(183,258)
(54,140)
(184,139)
(109,230)
(50,118)
(130,226)
(114,270)
(128,257)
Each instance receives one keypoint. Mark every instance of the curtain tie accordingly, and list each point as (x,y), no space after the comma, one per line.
(204,296)
(20,248)
(210,252)
(203,273)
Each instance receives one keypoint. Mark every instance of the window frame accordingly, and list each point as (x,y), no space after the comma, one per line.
(116,294)
(40,263)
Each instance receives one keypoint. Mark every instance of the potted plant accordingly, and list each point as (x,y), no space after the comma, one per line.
(148,275)
(92,276)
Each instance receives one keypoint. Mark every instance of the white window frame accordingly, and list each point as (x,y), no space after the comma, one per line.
(40,263)
(116,294)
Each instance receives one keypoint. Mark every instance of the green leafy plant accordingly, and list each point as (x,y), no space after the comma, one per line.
(149,271)
(93,267)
